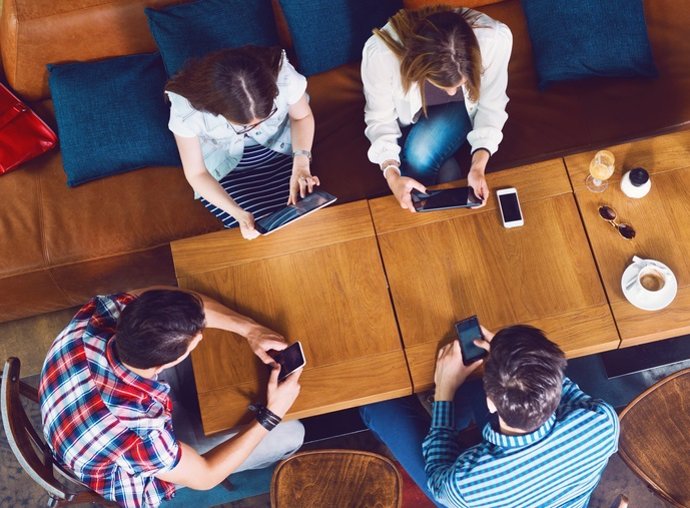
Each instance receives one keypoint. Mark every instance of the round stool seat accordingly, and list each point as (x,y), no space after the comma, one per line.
(342,478)
(655,437)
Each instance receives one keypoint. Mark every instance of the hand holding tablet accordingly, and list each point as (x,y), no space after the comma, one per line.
(314,201)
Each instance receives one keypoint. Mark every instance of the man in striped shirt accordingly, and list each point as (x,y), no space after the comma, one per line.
(548,444)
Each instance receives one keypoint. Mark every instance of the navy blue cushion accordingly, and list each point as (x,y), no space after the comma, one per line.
(194,29)
(329,33)
(575,39)
(112,116)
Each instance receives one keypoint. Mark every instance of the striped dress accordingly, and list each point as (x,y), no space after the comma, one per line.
(260,184)
(557,465)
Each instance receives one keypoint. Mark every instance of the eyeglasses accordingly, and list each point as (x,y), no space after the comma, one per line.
(609,215)
(246,128)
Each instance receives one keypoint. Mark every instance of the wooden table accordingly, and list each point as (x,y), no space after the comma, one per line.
(661,220)
(445,266)
(320,281)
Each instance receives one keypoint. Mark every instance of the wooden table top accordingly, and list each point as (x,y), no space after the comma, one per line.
(444,266)
(661,220)
(320,281)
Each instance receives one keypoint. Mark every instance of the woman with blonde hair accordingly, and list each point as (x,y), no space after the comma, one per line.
(244,130)
(434,78)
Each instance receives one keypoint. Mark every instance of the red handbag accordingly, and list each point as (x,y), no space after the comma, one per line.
(23,135)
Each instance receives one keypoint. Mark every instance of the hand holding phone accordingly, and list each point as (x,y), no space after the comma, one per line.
(290,359)
(468,331)
(450,371)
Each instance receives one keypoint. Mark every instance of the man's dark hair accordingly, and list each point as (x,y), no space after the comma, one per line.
(158,327)
(523,376)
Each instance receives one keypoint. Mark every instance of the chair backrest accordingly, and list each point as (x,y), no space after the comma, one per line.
(655,442)
(342,478)
(31,450)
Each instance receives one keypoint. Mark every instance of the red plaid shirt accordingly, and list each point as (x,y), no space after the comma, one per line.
(110,426)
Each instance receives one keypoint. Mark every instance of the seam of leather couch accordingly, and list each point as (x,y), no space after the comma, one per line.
(61,13)
(84,260)
(41,222)
(15,28)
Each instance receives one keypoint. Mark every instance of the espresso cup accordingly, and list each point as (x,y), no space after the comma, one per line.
(650,281)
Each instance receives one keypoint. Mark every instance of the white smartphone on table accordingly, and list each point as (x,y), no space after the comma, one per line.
(511,213)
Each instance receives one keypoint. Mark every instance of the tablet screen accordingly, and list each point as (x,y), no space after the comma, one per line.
(460,197)
(312,202)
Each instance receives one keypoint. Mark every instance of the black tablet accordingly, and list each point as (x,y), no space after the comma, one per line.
(314,201)
(459,197)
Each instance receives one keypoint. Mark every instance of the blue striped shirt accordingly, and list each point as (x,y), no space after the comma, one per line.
(557,465)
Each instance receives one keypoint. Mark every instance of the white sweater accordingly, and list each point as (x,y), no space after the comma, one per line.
(388,108)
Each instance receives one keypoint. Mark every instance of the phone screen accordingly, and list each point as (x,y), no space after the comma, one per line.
(290,359)
(468,330)
(510,207)
(459,197)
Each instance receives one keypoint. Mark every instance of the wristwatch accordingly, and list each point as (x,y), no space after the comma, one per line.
(306,153)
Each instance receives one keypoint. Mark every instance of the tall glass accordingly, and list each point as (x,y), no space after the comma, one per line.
(600,170)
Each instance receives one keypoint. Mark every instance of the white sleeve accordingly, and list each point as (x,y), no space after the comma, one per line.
(180,113)
(491,113)
(380,115)
(290,82)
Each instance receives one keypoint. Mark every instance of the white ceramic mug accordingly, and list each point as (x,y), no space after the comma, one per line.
(650,281)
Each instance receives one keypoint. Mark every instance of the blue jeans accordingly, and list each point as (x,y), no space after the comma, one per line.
(427,144)
(402,424)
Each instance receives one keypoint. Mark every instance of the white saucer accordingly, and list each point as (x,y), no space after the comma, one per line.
(663,299)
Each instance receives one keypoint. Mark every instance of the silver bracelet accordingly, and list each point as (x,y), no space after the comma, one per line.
(306,153)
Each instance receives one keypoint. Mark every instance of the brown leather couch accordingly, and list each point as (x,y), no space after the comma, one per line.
(61,245)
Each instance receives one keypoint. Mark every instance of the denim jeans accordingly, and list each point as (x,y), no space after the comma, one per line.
(427,144)
(402,424)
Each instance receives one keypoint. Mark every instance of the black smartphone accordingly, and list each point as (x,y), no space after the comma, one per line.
(468,331)
(446,199)
(290,360)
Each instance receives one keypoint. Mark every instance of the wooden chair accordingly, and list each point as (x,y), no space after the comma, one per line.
(655,438)
(342,478)
(31,451)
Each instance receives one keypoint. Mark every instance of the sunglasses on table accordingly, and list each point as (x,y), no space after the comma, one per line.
(610,215)
(243,129)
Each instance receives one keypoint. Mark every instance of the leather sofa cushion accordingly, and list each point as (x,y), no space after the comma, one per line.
(40,32)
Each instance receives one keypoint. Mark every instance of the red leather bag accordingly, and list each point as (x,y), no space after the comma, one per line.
(23,135)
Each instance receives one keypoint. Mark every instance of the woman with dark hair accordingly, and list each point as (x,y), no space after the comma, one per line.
(434,78)
(244,129)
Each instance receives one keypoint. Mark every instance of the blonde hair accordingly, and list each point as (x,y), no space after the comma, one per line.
(436,44)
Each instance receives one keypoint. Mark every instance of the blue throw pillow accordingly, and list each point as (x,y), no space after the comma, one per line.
(112,116)
(330,33)
(194,29)
(574,39)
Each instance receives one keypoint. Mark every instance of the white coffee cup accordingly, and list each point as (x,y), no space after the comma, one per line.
(650,281)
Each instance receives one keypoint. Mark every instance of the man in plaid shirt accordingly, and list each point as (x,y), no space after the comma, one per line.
(109,418)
